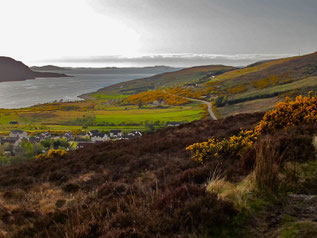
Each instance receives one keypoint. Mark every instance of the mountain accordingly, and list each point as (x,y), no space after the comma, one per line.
(12,70)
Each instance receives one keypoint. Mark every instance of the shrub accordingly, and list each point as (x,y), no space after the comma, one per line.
(233,147)
(237,89)
(303,110)
(52,154)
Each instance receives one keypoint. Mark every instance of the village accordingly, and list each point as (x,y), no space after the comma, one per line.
(18,139)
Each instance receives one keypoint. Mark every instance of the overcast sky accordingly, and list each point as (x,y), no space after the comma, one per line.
(152,32)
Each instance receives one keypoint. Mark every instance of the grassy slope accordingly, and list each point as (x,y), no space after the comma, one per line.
(150,187)
(190,75)
(296,75)
(137,188)
(68,116)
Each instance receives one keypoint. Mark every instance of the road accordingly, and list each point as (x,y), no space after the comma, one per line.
(209,106)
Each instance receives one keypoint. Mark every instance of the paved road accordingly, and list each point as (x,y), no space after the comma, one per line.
(211,113)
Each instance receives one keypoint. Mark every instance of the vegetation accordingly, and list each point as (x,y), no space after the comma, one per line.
(149,186)
(159,97)
(301,111)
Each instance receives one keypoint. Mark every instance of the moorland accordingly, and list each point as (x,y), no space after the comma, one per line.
(250,173)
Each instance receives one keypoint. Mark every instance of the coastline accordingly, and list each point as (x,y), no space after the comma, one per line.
(53,75)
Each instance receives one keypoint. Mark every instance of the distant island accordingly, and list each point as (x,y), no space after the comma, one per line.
(47,68)
(12,70)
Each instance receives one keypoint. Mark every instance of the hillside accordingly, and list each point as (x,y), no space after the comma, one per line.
(151,187)
(12,70)
(185,76)
(255,88)
(146,187)
(261,85)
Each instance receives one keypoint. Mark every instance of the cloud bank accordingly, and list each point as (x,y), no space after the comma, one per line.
(175,60)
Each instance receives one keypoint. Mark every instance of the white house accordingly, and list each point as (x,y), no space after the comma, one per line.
(97,137)
(18,134)
(115,133)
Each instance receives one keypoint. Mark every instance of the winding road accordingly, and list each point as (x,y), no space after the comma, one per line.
(209,106)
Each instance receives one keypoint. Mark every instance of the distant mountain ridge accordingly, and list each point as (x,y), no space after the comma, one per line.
(12,70)
(111,70)
(46,68)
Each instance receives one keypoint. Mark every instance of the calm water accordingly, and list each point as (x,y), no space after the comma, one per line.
(43,90)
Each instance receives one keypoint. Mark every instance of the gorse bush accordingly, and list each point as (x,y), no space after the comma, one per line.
(52,154)
(301,111)
(235,146)
(152,96)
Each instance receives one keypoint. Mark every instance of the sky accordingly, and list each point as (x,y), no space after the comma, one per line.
(156,32)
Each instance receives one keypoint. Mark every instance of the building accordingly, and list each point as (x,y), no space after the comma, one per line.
(18,134)
(98,137)
(115,134)
(173,123)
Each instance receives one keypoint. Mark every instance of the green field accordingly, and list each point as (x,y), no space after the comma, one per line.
(96,114)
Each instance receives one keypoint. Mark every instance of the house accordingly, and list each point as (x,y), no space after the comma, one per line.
(96,136)
(9,140)
(35,139)
(18,134)
(83,136)
(93,132)
(115,133)
(137,133)
(68,135)
(55,136)
(45,135)
(132,134)
(173,123)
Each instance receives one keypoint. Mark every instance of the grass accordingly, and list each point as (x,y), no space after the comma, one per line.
(248,70)
(298,229)
(101,114)
(189,75)
(108,97)
(304,83)
(258,105)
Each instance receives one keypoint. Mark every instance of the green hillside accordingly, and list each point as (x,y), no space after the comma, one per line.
(189,75)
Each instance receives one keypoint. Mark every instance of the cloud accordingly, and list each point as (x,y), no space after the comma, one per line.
(176,60)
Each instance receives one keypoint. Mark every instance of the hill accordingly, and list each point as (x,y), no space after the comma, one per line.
(146,187)
(185,76)
(150,187)
(262,84)
(46,68)
(12,70)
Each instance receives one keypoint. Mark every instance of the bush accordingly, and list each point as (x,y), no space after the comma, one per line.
(53,154)
(234,147)
(303,110)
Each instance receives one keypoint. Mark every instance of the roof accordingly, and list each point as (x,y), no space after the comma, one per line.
(99,134)
(115,131)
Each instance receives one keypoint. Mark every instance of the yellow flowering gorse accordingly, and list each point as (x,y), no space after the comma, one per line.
(52,154)
(303,110)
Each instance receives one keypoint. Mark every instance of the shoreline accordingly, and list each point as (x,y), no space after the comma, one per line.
(21,80)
